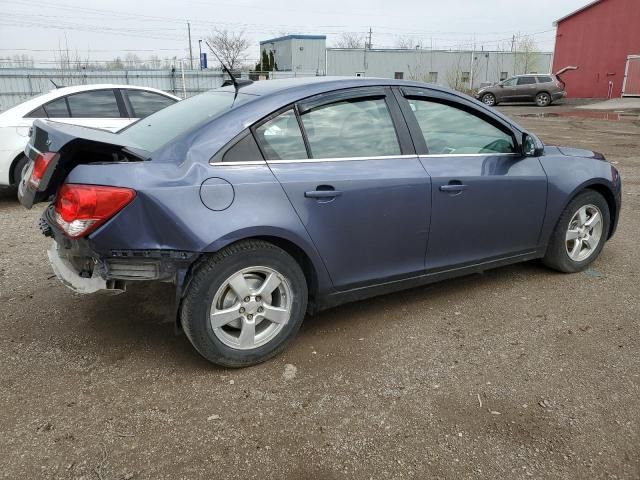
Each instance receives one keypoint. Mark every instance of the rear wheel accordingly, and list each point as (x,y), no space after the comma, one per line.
(543,99)
(18,169)
(489,99)
(244,304)
(580,233)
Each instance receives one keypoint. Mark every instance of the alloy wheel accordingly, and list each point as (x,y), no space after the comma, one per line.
(251,307)
(489,99)
(543,100)
(584,233)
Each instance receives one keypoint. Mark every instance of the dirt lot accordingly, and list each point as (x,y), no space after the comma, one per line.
(517,373)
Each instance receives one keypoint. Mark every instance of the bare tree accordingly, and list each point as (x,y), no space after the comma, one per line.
(231,47)
(350,40)
(406,43)
(525,54)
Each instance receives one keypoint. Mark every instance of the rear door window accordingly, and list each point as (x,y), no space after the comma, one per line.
(145,103)
(281,138)
(95,104)
(545,79)
(526,80)
(57,108)
(361,127)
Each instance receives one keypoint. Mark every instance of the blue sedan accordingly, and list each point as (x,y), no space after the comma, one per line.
(265,201)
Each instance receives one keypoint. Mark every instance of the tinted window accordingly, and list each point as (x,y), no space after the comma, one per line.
(37,113)
(358,128)
(510,83)
(545,79)
(163,126)
(145,103)
(96,104)
(449,130)
(526,80)
(57,109)
(281,138)
(246,150)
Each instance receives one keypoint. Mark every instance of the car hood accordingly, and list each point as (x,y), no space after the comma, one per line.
(579,152)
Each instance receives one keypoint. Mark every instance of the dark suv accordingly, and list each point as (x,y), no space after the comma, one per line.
(542,89)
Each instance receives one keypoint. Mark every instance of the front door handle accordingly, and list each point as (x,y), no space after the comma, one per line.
(323,193)
(453,187)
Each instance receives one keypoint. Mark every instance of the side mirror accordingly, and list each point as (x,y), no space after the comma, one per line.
(501,85)
(531,145)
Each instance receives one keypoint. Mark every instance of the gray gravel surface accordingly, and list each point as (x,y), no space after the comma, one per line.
(517,373)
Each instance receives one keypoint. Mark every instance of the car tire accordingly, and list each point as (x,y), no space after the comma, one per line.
(18,168)
(579,236)
(543,99)
(264,284)
(489,99)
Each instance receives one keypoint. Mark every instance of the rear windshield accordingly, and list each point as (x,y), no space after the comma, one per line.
(158,129)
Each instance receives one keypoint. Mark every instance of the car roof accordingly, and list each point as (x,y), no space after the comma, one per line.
(268,87)
(32,103)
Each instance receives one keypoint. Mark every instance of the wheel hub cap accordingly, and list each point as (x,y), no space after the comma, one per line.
(584,233)
(251,307)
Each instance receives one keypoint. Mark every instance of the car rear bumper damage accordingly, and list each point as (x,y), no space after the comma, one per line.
(87,271)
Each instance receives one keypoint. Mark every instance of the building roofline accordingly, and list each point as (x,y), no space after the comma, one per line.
(424,50)
(294,37)
(575,12)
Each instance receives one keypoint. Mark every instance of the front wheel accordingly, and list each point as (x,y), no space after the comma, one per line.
(489,99)
(580,233)
(244,304)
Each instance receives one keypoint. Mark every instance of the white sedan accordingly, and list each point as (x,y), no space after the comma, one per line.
(109,107)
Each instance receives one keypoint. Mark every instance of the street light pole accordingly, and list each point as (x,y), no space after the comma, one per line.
(200,48)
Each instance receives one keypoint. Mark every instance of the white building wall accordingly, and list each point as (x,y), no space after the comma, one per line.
(436,66)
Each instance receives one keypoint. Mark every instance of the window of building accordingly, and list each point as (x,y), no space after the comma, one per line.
(398,75)
(526,80)
(433,77)
(449,130)
(281,138)
(504,75)
(57,108)
(466,77)
(145,103)
(355,128)
(96,104)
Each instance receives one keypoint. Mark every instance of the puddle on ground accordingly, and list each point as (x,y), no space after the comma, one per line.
(590,114)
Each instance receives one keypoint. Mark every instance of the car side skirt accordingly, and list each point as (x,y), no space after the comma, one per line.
(361,293)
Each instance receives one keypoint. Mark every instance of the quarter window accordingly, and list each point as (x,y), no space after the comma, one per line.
(281,138)
(354,128)
(450,130)
(145,103)
(57,108)
(96,104)
(545,79)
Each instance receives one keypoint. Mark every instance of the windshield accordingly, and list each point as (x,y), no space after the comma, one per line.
(156,130)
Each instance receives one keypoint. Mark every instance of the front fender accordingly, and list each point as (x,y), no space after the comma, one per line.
(568,176)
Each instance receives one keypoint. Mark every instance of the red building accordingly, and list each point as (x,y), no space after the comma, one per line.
(599,38)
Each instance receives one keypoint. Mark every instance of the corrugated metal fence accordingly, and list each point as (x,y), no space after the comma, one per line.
(18,84)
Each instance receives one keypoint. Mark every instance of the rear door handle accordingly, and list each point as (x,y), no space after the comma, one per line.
(454,187)
(323,194)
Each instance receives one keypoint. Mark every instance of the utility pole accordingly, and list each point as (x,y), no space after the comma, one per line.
(370,32)
(190,51)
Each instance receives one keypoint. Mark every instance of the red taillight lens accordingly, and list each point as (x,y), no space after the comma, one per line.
(80,209)
(40,167)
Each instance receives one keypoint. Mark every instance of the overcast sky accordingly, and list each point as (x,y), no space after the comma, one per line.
(103,29)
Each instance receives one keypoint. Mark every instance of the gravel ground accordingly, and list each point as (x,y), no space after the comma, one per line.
(517,373)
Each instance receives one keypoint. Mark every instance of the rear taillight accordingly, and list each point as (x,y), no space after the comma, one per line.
(80,209)
(40,166)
